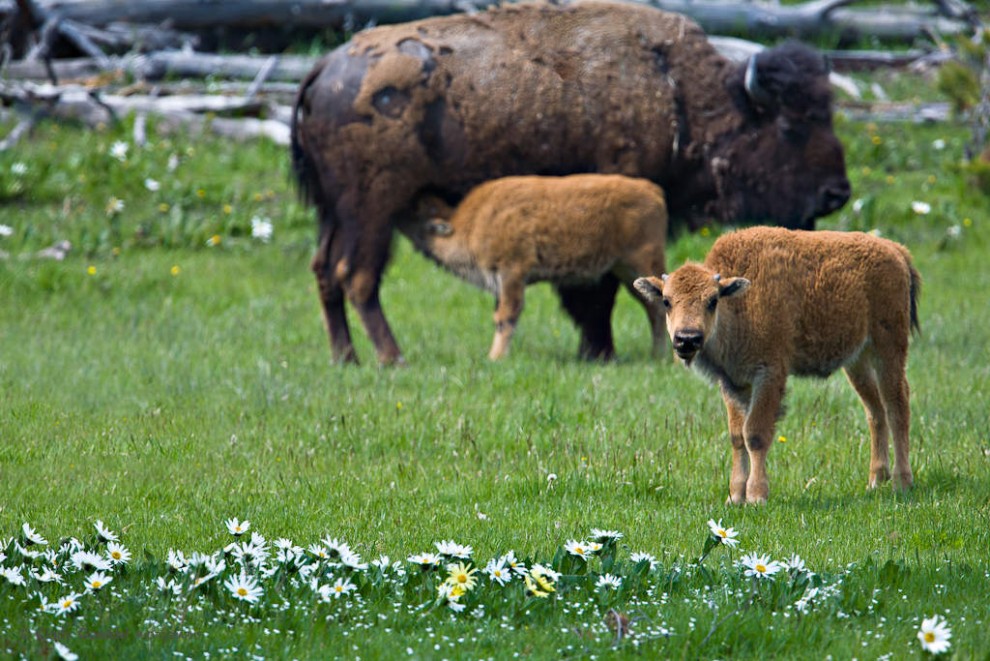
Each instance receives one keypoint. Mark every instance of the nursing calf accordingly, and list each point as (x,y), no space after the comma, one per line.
(514,231)
(770,302)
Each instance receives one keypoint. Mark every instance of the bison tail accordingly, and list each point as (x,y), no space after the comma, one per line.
(303,165)
(915,293)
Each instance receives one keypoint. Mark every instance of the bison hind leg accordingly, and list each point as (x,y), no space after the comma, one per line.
(863,378)
(590,306)
(325,266)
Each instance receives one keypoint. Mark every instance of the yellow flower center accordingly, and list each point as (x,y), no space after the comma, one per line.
(67,603)
(338,588)
(242,591)
(115,555)
(462,578)
(498,573)
(761,568)
(579,550)
(929,637)
(97,585)
(722,533)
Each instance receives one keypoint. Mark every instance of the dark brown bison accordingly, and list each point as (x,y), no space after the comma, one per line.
(440,105)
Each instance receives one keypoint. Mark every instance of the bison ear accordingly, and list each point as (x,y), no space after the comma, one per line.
(732,286)
(650,287)
(439,227)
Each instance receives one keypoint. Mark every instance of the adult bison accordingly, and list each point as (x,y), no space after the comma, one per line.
(440,105)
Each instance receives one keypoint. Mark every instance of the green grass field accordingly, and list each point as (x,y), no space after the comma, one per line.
(173,372)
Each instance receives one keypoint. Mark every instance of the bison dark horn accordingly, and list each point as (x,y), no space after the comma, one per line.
(752,85)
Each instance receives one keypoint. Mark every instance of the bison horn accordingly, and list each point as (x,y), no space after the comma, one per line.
(752,85)
(717,277)
(664,277)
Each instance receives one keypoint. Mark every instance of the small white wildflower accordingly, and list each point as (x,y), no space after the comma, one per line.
(13,575)
(176,561)
(66,604)
(639,557)
(577,548)
(97,581)
(858,205)
(261,228)
(954,232)
(724,535)
(759,566)
(497,571)
(168,587)
(605,535)
(608,582)
(31,537)
(152,185)
(425,560)
(118,553)
(19,168)
(119,150)
(934,635)
(89,561)
(104,533)
(6,230)
(340,588)
(244,587)
(65,653)
(938,145)
(237,528)
(452,549)
(921,208)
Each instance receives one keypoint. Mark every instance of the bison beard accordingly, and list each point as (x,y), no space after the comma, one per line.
(441,105)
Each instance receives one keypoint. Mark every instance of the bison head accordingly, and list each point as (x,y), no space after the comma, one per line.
(784,164)
(690,297)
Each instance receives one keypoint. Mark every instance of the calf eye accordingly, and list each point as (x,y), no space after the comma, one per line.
(666,302)
(712,302)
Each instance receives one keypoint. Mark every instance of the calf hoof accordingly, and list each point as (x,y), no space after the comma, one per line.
(878,476)
(904,481)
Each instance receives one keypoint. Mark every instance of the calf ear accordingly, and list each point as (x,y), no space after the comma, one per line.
(732,286)
(439,227)
(650,287)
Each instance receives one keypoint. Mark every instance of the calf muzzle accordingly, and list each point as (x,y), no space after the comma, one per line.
(687,343)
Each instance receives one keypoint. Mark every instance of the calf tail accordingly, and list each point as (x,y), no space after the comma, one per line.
(915,289)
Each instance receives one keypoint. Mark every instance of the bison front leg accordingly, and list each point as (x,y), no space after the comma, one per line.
(740,458)
(864,380)
(758,430)
(324,263)
(590,306)
(508,307)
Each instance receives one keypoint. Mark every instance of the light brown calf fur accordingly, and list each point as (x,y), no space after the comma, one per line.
(770,302)
(514,231)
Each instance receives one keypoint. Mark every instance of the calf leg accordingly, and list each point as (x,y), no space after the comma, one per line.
(511,295)
(590,306)
(758,430)
(740,458)
(331,293)
(649,261)
(895,392)
(864,380)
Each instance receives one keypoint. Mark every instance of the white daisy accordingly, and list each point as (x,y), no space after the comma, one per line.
(64,652)
(759,566)
(425,560)
(934,635)
(89,561)
(340,588)
(451,593)
(104,533)
(176,561)
(576,548)
(152,185)
(27,553)
(244,587)
(66,604)
(201,580)
(639,557)
(796,564)
(31,537)
(118,553)
(542,570)
(921,208)
(604,536)
(237,528)
(514,564)
(318,551)
(168,587)
(352,560)
(97,581)
(452,549)
(724,535)
(608,582)
(46,576)
(6,230)
(497,571)
(13,575)
(335,547)
(287,545)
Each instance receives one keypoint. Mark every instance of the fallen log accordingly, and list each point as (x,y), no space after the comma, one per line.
(764,19)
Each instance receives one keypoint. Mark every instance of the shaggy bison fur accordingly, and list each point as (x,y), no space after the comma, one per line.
(514,231)
(440,105)
(769,302)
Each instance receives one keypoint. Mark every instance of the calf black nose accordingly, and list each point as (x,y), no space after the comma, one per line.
(688,341)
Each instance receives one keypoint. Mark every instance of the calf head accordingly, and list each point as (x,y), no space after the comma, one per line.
(690,295)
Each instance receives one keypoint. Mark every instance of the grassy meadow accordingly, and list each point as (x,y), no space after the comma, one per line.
(172,372)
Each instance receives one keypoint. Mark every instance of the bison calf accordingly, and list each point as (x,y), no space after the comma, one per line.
(514,231)
(770,302)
